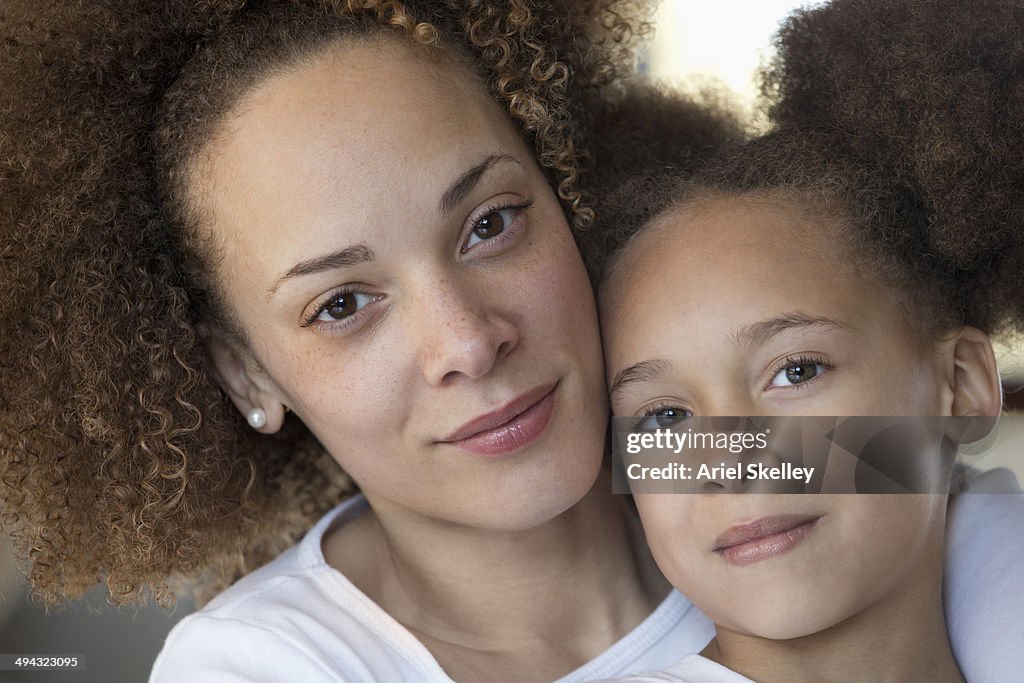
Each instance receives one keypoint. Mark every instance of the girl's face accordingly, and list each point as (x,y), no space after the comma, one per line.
(408,286)
(749,307)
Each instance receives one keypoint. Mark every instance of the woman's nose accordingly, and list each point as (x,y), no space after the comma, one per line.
(462,331)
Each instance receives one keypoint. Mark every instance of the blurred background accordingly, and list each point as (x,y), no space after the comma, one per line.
(115,645)
(697,45)
(716,44)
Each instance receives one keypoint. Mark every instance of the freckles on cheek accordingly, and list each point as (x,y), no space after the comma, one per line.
(300,374)
(557,278)
(323,386)
(357,413)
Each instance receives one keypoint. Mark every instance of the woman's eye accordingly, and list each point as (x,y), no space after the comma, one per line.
(342,306)
(798,373)
(662,418)
(490,226)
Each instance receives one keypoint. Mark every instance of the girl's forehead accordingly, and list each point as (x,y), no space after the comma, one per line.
(699,275)
(723,238)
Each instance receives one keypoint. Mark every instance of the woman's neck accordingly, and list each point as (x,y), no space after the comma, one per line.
(902,637)
(541,601)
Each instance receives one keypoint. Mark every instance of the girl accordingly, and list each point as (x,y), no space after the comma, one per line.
(856,261)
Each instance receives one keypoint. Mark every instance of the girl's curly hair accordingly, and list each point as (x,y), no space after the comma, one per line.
(902,120)
(120,459)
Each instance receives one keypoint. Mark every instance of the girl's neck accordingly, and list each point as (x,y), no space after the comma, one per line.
(902,637)
(570,587)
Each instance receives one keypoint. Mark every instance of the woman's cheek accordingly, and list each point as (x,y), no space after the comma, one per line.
(560,284)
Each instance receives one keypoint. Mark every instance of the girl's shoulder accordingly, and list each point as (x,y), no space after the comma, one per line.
(984,587)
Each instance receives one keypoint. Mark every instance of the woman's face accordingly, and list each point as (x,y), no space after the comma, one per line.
(408,284)
(740,307)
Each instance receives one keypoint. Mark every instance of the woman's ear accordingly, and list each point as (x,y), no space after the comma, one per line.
(977,391)
(243,381)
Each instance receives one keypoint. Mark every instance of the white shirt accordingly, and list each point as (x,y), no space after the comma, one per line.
(298,619)
(983,596)
(984,591)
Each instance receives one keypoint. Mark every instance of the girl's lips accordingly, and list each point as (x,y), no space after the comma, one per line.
(510,427)
(763,538)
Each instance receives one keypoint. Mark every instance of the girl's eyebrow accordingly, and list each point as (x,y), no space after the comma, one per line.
(760,332)
(644,371)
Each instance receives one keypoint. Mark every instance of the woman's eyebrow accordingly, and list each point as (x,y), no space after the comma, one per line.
(360,253)
(760,332)
(465,183)
(644,371)
(349,256)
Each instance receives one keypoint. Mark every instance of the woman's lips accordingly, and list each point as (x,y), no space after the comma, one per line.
(764,538)
(509,428)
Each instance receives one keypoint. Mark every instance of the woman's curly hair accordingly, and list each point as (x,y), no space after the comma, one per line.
(901,120)
(120,458)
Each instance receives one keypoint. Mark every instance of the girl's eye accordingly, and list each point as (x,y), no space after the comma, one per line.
(340,307)
(490,226)
(798,371)
(661,418)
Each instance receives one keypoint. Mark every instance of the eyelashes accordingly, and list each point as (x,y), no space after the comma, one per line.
(489,229)
(347,301)
(663,415)
(793,373)
(509,217)
(797,371)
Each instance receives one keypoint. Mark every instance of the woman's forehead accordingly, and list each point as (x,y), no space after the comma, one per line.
(364,135)
(364,101)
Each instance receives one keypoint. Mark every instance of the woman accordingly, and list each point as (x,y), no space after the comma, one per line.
(339,215)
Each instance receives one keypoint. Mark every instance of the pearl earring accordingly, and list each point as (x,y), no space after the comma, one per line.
(257,418)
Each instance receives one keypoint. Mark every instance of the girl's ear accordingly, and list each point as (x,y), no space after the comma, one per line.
(977,391)
(241,378)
